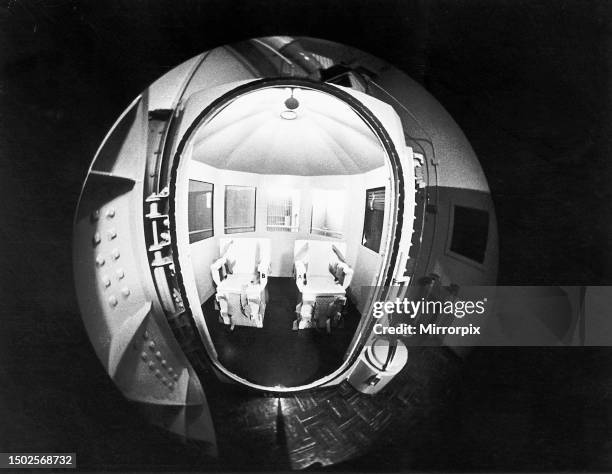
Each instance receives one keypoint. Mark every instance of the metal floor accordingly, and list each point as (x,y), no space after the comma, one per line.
(330,425)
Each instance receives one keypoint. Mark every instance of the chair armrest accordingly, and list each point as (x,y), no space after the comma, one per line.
(348,275)
(263,268)
(300,269)
(214,269)
(300,273)
(339,254)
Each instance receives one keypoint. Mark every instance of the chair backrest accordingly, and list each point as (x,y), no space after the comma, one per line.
(318,254)
(264,250)
(241,254)
(244,254)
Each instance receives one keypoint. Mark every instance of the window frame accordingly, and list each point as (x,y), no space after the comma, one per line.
(382,230)
(225,227)
(334,234)
(458,256)
(191,233)
(284,228)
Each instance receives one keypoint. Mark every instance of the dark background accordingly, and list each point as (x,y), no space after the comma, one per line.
(528,82)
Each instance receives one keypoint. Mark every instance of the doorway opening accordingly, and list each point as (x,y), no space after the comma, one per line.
(287,218)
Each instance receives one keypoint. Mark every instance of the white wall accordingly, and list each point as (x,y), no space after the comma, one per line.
(365,262)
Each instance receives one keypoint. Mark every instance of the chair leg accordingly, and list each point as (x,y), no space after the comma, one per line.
(296,322)
(223,309)
(305,315)
(256,303)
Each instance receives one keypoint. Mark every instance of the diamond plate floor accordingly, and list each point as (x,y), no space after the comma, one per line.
(329,425)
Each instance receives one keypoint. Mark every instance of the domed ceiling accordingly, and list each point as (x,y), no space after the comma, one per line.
(324,137)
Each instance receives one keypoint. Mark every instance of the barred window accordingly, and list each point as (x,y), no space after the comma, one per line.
(283,210)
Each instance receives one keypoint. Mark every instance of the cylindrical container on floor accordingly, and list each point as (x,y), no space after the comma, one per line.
(377,365)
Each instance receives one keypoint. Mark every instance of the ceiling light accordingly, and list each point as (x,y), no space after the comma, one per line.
(288,114)
(292,104)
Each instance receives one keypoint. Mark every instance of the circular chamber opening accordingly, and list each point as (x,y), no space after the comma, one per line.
(249,207)
(284,214)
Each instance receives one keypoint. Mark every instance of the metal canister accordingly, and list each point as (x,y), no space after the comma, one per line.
(378,363)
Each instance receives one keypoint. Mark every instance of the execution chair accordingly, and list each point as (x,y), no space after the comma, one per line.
(241,275)
(322,277)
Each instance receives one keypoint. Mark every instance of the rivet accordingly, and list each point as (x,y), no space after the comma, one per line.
(106,281)
(111,234)
(152,345)
(125,291)
(164,363)
(175,377)
(158,374)
(170,370)
(164,380)
(143,356)
(151,365)
(110,213)
(95,215)
(116,254)
(158,355)
(97,238)
(112,300)
(120,273)
(145,335)
(100,260)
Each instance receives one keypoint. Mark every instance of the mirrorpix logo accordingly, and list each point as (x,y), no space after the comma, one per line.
(411,309)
